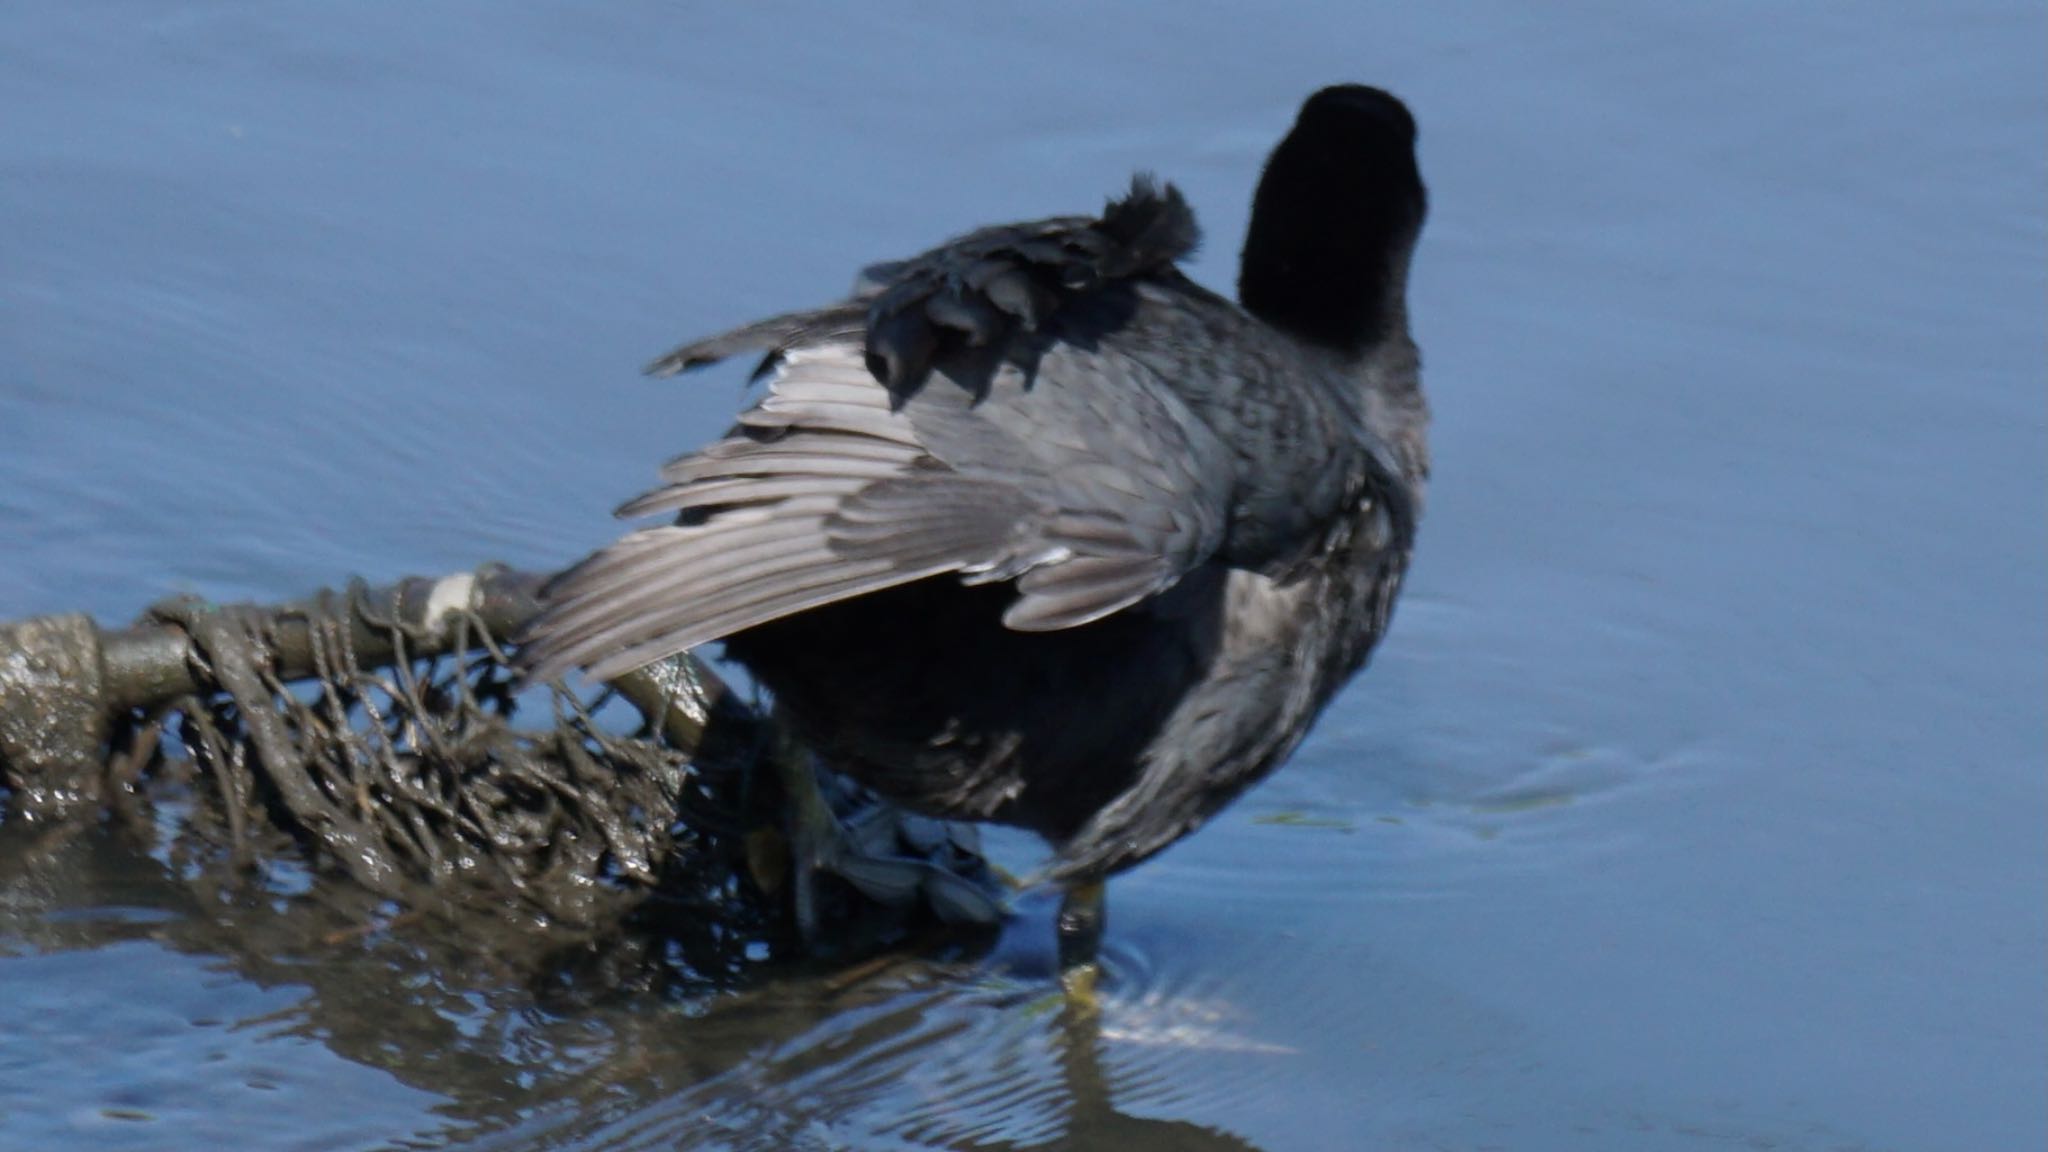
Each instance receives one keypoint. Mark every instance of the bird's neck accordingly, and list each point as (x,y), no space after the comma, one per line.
(1395,410)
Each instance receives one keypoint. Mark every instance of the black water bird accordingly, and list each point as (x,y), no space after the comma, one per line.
(1034,529)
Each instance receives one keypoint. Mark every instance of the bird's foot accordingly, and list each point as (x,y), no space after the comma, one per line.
(1084,914)
(896,859)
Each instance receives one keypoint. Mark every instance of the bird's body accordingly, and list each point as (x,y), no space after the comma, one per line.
(1033,529)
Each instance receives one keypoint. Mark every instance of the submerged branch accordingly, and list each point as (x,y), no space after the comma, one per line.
(369,732)
(65,681)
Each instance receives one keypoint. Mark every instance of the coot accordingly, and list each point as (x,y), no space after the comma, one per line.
(1034,529)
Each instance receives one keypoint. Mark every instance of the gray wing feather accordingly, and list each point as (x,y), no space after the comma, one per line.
(1129,487)
(828,489)
(1085,479)
(770,336)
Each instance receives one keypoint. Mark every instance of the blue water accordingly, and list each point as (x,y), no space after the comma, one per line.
(1697,800)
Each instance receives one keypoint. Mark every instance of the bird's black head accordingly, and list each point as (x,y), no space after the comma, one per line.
(1334,221)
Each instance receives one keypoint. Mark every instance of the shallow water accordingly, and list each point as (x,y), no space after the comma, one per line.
(1695,802)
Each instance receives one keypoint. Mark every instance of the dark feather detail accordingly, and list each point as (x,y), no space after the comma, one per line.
(981,288)
(1151,227)
(975,291)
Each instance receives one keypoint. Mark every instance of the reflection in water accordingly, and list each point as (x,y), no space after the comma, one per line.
(942,1052)
(936,1064)
(1095,1121)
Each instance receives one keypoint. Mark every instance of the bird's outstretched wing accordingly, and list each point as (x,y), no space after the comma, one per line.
(972,413)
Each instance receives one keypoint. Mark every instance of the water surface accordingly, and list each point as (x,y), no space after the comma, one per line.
(1695,802)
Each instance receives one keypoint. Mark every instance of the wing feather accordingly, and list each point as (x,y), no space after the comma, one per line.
(1082,477)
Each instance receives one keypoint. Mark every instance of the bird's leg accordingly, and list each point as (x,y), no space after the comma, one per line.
(1083,916)
(812,830)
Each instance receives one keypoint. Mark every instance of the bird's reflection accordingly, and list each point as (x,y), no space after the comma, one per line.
(928,1051)
(1095,1121)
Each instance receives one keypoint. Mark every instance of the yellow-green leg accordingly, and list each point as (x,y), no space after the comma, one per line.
(1084,914)
(812,831)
